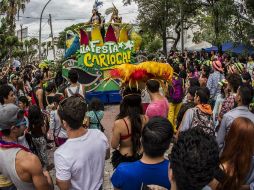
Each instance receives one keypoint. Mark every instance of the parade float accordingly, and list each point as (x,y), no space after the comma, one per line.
(98,50)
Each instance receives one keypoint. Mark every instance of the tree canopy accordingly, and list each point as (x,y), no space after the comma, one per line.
(217,21)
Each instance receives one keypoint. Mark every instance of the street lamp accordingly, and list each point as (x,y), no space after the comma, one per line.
(40,28)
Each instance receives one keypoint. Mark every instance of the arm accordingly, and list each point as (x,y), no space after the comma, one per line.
(84,91)
(63,185)
(107,154)
(52,120)
(39,95)
(187,120)
(115,141)
(245,187)
(222,133)
(65,93)
(63,173)
(41,180)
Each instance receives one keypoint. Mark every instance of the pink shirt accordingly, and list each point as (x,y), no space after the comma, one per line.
(158,108)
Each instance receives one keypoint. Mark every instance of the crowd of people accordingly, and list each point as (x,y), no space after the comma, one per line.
(194,133)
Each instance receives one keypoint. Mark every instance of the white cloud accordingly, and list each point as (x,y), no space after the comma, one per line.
(78,10)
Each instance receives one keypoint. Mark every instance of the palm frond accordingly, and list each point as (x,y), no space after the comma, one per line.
(109,10)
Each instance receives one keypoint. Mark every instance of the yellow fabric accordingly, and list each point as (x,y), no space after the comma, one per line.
(96,35)
(4,182)
(173,112)
(123,35)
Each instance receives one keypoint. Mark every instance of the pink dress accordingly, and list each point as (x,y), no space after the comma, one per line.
(158,108)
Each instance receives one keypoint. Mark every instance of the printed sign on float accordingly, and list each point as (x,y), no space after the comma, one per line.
(107,56)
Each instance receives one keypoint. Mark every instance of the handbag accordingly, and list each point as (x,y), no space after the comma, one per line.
(99,123)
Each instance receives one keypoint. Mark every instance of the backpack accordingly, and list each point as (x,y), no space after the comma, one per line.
(76,92)
(176,91)
(203,121)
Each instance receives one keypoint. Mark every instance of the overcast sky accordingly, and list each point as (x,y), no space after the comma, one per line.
(78,10)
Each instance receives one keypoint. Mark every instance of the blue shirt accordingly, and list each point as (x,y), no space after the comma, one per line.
(132,176)
(228,118)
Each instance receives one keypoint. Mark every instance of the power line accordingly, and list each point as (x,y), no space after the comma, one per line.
(71,19)
(36,18)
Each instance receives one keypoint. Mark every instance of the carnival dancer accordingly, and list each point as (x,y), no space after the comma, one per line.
(115,19)
(152,168)
(127,128)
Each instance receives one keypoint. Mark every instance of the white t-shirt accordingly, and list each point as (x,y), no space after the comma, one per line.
(82,160)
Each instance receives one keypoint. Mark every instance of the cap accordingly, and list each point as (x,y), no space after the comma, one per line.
(10,116)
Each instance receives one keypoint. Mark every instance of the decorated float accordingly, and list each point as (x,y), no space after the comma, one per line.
(100,51)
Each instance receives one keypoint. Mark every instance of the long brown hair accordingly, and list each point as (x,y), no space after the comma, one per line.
(237,153)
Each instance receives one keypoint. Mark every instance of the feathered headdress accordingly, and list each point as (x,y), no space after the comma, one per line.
(97,4)
(133,74)
(111,10)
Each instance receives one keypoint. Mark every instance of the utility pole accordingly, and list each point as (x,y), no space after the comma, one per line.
(51,29)
(40,28)
(21,32)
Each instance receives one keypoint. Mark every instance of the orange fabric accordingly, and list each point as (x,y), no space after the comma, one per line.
(205,108)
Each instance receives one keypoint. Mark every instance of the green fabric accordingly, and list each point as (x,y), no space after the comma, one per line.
(93,119)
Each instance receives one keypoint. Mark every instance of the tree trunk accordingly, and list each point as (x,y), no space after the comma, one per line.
(164,38)
(217,30)
(178,36)
(12,17)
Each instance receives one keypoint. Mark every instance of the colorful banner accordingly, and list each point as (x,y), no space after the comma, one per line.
(107,56)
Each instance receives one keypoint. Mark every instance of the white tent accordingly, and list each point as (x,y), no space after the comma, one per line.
(199,46)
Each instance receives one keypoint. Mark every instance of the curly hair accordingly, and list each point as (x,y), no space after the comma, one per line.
(194,159)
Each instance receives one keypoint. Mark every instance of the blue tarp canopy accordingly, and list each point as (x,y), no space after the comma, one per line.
(237,48)
(213,48)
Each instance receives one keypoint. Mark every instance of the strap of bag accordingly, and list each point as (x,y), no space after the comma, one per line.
(77,91)
(99,122)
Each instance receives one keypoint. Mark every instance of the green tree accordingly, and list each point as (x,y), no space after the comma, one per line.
(154,45)
(228,20)
(157,17)
(12,8)
(9,44)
